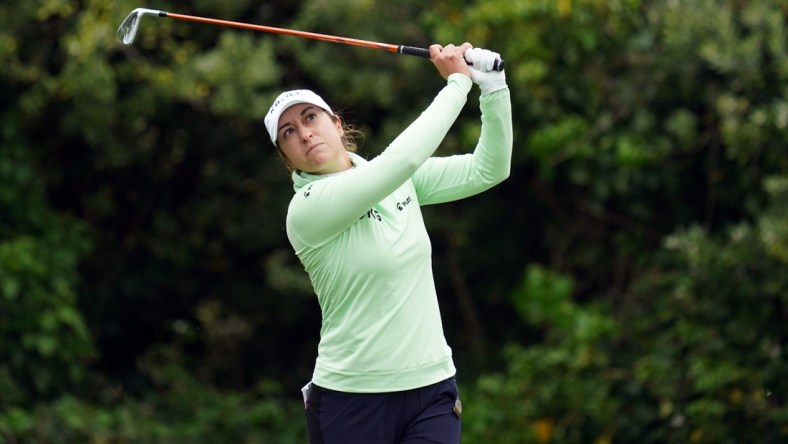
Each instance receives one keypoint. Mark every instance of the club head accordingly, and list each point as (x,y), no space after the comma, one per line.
(128,29)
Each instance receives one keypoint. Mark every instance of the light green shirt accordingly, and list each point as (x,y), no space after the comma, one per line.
(362,240)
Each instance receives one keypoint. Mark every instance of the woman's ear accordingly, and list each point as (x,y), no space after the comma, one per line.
(340,127)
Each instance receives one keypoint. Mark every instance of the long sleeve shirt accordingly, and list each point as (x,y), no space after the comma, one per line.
(361,238)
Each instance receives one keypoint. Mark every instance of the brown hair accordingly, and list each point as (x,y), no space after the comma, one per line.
(350,140)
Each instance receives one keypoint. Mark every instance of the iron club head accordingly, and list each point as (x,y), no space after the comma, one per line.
(128,29)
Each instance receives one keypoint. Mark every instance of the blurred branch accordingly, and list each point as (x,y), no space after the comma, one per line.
(465,303)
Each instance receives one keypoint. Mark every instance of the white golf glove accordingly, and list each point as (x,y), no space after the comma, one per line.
(482,72)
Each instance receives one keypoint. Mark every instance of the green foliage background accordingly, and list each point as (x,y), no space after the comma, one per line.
(627,284)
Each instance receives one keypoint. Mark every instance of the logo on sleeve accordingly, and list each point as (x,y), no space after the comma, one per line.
(308,191)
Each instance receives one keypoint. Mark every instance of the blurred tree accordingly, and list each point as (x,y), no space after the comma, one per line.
(147,287)
(44,342)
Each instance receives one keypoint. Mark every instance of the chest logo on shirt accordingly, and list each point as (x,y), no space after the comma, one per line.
(308,191)
(373,214)
(401,205)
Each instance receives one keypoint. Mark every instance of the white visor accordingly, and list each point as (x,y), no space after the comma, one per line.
(286,100)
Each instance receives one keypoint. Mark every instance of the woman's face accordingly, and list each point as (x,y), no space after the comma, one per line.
(311,140)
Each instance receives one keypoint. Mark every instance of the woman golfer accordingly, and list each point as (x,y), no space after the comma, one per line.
(384,372)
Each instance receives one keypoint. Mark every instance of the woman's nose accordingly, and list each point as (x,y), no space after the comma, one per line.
(305,133)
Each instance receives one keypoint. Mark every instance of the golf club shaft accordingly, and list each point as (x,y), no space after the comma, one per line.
(402,49)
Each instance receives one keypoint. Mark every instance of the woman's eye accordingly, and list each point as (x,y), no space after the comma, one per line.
(310,117)
(287,132)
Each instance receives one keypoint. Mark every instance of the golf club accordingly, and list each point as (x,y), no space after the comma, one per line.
(128,31)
